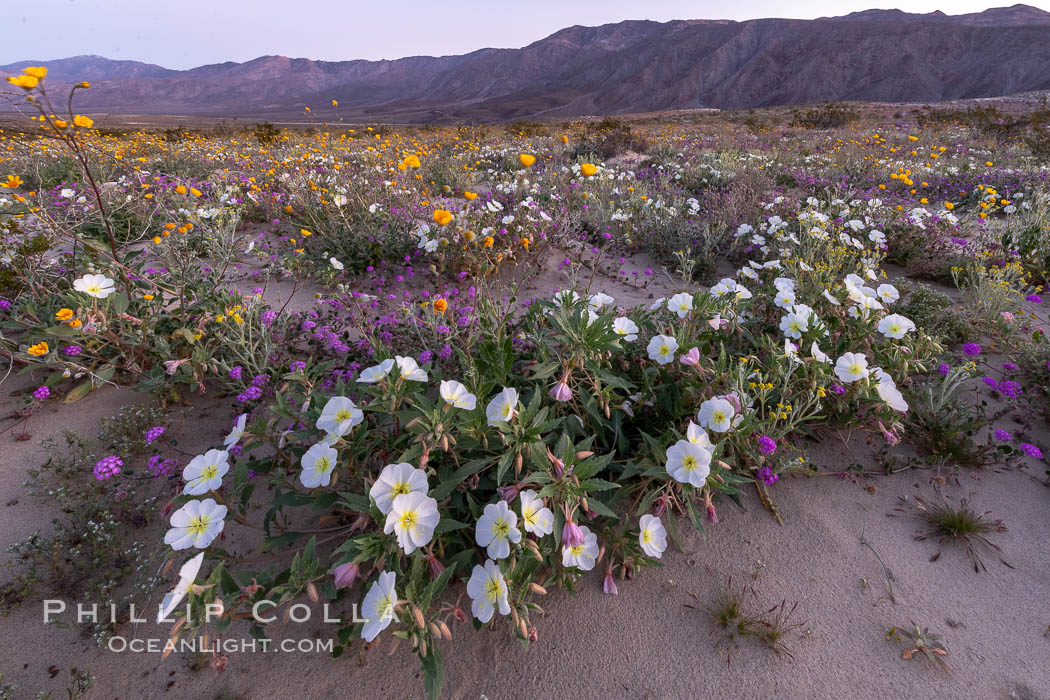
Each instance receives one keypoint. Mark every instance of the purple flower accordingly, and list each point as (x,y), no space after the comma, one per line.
(944,369)
(41,393)
(767,445)
(767,476)
(1034,298)
(154,433)
(425,357)
(72,350)
(990,382)
(1002,436)
(298,366)
(1031,450)
(235,372)
(838,389)
(108,467)
(571,534)
(160,467)
(971,349)
(1010,388)
(250,394)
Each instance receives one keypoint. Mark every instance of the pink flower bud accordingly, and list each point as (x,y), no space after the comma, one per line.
(571,535)
(345,574)
(609,585)
(561,392)
(691,358)
(712,516)
(436,567)
(508,493)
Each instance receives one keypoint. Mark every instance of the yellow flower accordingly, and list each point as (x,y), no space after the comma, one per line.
(38,349)
(411,161)
(26,82)
(564,138)
(147,297)
(527,160)
(64,314)
(588,169)
(195,192)
(335,103)
(442,217)
(83,122)
(38,72)
(181,189)
(12,182)
(440,305)
(84,85)
(156,240)
(487,241)
(949,206)
(306,233)
(76,323)
(60,123)
(525,243)
(471,196)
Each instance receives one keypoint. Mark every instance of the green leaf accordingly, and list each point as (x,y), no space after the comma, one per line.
(433,672)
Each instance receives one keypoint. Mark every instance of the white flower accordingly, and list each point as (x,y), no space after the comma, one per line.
(187,575)
(851,367)
(98,286)
(412,517)
(204,472)
(503,407)
(889,393)
(688,463)
(538,519)
(196,524)
(582,555)
(888,293)
(409,369)
(716,414)
(895,326)
(565,296)
(238,430)
(339,416)
(396,480)
(680,304)
(487,591)
(794,325)
(378,606)
(662,348)
(625,327)
(653,537)
(371,375)
(455,394)
(497,528)
(335,263)
(599,301)
(832,299)
(657,304)
(318,463)
(697,435)
(818,354)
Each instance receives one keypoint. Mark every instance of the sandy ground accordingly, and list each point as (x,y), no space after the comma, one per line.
(645,643)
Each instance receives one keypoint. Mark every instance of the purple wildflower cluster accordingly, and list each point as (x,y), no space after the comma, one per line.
(108,467)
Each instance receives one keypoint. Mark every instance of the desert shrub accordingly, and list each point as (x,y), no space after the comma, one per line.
(266,133)
(935,313)
(606,139)
(826,116)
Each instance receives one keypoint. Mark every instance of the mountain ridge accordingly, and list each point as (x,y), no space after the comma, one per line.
(625,67)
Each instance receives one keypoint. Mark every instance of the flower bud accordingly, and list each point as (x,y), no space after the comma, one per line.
(345,575)
(561,392)
(712,516)
(571,535)
(691,358)
(609,585)
(508,493)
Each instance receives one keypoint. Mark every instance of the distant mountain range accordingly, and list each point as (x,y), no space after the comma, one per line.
(627,67)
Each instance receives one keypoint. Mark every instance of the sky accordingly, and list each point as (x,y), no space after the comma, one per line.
(186,33)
